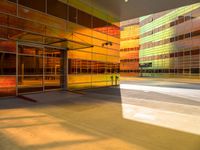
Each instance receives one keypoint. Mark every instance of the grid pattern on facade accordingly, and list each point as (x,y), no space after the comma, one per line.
(87,67)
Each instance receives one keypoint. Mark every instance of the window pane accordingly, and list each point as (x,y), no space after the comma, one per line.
(30,65)
(9,8)
(7,46)
(84,19)
(30,50)
(3,19)
(7,86)
(72,14)
(26,25)
(52,61)
(7,64)
(98,23)
(3,33)
(57,8)
(52,82)
(52,66)
(14,1)
(34,4)
(30,84)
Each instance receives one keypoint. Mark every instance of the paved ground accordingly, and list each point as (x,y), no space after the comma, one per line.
(137,116)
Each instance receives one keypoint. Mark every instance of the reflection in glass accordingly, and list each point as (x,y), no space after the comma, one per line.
(30,60)
(7,64)
(30,65)
(53,67)
(52,61)
(43,67)
(52,82)
(28,84)
(38,5)
(7,46)
(7,86)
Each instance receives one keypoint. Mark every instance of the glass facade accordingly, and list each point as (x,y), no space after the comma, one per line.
(169,43)
(52,44)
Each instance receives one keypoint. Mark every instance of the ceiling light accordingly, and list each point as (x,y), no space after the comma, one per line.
(126,1)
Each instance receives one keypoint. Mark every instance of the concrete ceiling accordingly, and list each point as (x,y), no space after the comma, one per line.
(137,8)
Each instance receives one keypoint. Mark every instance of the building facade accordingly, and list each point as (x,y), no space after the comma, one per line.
(129,48)
(56,45)
(169,43)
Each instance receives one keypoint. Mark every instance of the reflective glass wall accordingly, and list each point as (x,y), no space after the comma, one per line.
(62,25)
(169,43)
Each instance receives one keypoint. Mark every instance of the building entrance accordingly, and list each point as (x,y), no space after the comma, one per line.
(40,68)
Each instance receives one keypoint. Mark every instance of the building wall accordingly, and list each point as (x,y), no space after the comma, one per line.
(129,48)
(87,67)
(169,43)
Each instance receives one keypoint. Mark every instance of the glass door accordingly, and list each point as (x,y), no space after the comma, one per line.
(30,69)
(39,69)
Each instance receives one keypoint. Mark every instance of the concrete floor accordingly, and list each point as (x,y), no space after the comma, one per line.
(141,115)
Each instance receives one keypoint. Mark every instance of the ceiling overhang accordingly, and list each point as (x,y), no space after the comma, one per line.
(137,8)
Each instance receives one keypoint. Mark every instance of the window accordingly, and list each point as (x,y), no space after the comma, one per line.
(180,70)
(7,64)
(14,1)
(84,19)
(176,38)
(187,53)
(196,33)
(180,37)
(72,14)
(180,19)
(186,70)
(172,24)
(180,54)
(98,23)
(7,46)
(171,55)
(172,39)
(7,86)
(34,4)
(3,32)
(195,70)
(187,18)
(30,65)
(195,52)
(57,8)
(188,35)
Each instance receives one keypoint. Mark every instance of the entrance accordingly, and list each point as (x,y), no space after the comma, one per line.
(40,68)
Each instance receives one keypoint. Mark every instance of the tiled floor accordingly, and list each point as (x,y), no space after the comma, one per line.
(138,116)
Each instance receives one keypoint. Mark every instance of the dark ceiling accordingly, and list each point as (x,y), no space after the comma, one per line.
(137,8)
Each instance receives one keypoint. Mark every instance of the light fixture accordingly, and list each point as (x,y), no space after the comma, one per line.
(126,1)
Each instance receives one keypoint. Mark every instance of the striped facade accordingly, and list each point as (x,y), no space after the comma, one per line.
(169,43)
(129,48)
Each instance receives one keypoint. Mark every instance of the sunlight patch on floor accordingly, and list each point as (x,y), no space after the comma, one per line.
(192,94)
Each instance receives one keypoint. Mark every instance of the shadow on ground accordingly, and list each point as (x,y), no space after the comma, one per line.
(92,120)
